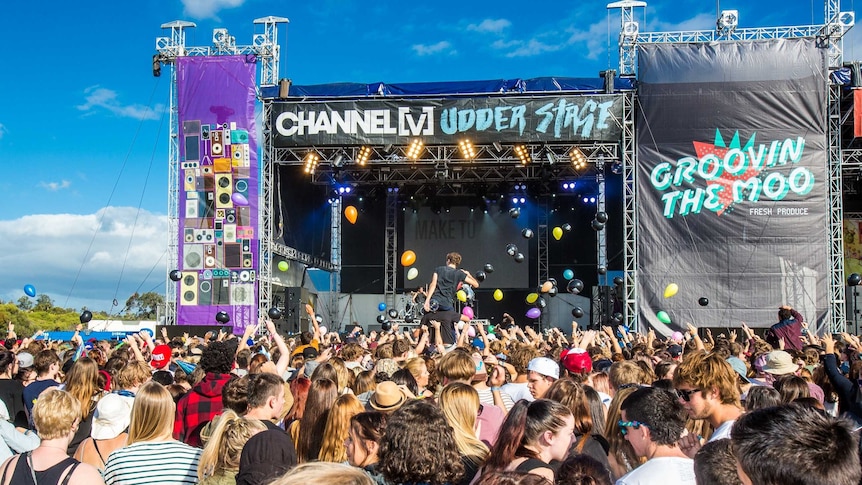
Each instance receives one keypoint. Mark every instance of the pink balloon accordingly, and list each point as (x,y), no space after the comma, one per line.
(676,336)
(239,199)
(467,312)
(471,332)
(534,313)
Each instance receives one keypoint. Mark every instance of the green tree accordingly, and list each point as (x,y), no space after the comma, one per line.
(25,303)
(44,303)
(145,306)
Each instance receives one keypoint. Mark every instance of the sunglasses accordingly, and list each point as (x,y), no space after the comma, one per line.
(685,394)
(624,425)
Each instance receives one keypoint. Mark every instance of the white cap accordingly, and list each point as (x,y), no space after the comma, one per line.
(544,366)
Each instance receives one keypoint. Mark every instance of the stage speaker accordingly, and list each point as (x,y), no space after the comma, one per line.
(242,294)
(205,292)
(217,143)
(294,318)
(193,256)
(223,191)
(189,288)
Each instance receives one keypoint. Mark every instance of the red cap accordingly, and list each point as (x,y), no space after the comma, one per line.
(576,361)
(161,357)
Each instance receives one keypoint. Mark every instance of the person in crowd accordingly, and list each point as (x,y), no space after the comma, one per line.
(419,370)
(626,373)
(82,382)
(219,462)
(708,389)
(111,419)
(571,394)
(130,378)
(459,366)
(56,415)
(14,440)
(309,438)
(460,405)
(792,444)
(204,402)
(299,389)
(714,464)
(541,373)
(418,447)
(653,421)
(520,356)
(760,397)
(265,457)
(11,389)
(363,439)
(533,435)
(441,294)
(47,366)
(621,456)
(580,469)
(502,477)
(265,399)
(780,363)
(152,455)
(321,472)
(791,388)
(847,389)
(598,411)
(337,428)
(788,329)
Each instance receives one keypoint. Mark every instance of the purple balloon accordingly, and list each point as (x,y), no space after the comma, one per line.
(534,313)
(467,312)
(239,199)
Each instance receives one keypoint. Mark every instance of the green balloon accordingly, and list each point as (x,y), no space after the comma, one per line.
(283,266)
(663,317)
(491,329)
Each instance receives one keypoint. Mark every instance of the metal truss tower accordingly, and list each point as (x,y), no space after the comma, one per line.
(391,255)
(266,50)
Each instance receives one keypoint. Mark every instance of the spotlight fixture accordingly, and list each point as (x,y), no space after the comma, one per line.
(468,151)
(497,146)
(157,65)
(363,155)
(284,88)
(579,160)
(727,22)
(549,155)
(414,150)
(311,160)
(523,154)
(338,161)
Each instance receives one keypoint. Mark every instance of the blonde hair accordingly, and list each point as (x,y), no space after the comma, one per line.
(337,427)
(153,414)
(414,367)
(82,382)
(133,374)
(55,414)
(224,447)
(460,405)
(324,472)
(342,374)
(457,365)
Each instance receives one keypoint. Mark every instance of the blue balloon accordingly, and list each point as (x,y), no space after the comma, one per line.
(381,306)
(30,290)
(568,274)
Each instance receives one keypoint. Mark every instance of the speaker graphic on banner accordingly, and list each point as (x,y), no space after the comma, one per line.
(732,202)
(218,155)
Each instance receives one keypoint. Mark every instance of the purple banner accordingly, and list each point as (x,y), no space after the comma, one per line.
(218,192)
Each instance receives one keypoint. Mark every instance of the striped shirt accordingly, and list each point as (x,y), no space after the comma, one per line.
(165,462)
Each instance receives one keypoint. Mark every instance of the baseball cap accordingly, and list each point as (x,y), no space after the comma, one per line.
(675,350)
(545,367)
(576,361)
(161,357)
(25,360)
(738,367)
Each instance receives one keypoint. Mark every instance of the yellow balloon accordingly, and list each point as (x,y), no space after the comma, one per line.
(462,297)
(558,233)
(498,294)
(532,297)
(671,290)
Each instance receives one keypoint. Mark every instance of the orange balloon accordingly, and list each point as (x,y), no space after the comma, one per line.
(408,257)
(350,213)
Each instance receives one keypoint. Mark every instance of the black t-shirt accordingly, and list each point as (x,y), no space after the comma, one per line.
(447,285)
(11,392)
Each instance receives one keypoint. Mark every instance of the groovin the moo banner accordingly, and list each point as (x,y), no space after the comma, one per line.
(218,192)
(732,182)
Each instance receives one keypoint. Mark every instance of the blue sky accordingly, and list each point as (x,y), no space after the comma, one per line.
(83,123)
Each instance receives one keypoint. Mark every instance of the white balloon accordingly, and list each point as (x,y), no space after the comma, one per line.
(412,273)
(322,331)
(460,326)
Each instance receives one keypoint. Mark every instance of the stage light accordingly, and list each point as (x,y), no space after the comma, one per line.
(284,88)
(514,200)
(468,151)
(727,21)
(157,66)
(617,168)
(523,154)
(363,155)
(497,146)
(311,160)
(338,161)
(549,155)
(414,150)
(522,200)
(579,160)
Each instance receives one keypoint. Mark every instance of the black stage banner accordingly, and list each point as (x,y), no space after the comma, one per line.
(447,121)
(732,217)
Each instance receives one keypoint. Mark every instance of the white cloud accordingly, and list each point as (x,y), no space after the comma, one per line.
(55,186)
(103,98)
(490,26)
(201,9)
(77,259)
(701,21)
(3,131)
(442,47)
(528,48)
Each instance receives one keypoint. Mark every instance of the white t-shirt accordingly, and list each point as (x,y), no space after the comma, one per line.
(518,391)
(723,431)
(661,471)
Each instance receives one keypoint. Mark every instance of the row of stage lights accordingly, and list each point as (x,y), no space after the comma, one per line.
(468,151)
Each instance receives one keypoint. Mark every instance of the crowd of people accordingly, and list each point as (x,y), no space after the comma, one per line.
(505,405)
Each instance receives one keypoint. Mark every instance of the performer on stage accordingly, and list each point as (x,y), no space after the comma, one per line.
(441,294)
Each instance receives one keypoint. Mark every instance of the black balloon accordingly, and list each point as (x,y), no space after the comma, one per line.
(602,269)
(175,275)
(854,279)
(597,226)
(618,280)
(489,268)
(408,319)
(86,316)
(566,227)
(541,303)
(381,318)
(222,317)
(527,233)
(393,313)
(553,291)
(511,249)
(575,286)
(553,281)
(618,317)
(519,258)
(577,312)
(386,325)
(514,212)
(274,313)
(602,216)
(480,276)
(703,301)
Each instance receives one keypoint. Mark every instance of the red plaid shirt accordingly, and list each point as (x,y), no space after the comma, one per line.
(198,407)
